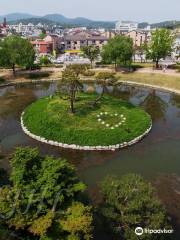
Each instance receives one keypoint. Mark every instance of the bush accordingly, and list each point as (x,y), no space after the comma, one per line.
(33,67)
(105,75)
(44,60)
(88,73)
(38,75)
(2,80)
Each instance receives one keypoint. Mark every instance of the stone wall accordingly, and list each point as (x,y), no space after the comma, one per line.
(88,148)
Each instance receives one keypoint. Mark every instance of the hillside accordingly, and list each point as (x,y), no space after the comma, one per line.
(56,19)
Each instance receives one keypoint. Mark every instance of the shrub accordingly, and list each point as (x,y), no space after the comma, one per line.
(2,80)
(38,75)
(44,60)
(88,73)
(108,77)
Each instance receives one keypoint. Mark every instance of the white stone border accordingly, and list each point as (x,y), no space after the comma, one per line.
(87,148)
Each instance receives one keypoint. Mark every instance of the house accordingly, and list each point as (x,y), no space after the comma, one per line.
(55,40)
(42,47)
(77,40)
(139,37)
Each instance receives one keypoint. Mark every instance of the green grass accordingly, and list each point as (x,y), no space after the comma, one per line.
(155,79)
(51,118)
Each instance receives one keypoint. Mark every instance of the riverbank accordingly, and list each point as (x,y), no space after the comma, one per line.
(166,81)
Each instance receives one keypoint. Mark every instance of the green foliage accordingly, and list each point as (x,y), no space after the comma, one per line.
(2,80)
(88,73)
(78,68)
(38,75)
(78,222)
(46,116)
(14,51)
(160,46)
(42,35)
(106,76)
(42,187)
(91,52)
(44,60)
(119,50)
(69,86)
(130,202)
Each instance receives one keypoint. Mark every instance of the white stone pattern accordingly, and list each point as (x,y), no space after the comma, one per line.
(87,148)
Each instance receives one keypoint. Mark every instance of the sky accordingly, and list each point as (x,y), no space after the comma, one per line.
(136,10)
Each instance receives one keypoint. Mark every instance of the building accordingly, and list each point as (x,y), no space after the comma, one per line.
(126,26)
(3,28)
(139,37)
(42,47)
(77,40)
(56,41)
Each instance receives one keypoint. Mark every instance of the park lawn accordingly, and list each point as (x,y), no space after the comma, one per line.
(155,79)
(51,119)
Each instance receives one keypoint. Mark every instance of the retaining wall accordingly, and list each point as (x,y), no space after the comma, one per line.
(87,148)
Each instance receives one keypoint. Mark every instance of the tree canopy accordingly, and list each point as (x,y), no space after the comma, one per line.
(91,52)
(44,192)
(130,202)
(119,50)
(70,84)
(160,46)
(15,50)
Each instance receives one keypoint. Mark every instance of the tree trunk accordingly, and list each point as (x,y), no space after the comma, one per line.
(14,70)
(72,105)
(91,64)
(72,98)
(157,64)
(115,66)
(99,97)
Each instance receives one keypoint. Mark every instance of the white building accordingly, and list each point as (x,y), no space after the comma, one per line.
(126,26)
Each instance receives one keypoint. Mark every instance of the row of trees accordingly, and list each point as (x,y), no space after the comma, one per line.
(120,49)
(44,200)
(15,50)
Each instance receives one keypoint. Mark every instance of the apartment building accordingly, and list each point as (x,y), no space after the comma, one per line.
(77,40)
(126,26)
(139,37)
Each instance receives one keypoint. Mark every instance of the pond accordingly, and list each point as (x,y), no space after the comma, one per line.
(157,157)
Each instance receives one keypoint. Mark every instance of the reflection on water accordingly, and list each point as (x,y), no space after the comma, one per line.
(158,153)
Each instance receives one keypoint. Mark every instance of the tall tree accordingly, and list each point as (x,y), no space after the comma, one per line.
(130,202)
(91,52)
(15,50)
(119,50)
(160,46)
(105,79)
(69,86)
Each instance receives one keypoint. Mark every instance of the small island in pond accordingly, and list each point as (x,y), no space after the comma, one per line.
(109,124)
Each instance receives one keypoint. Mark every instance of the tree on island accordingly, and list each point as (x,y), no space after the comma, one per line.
(119,50)
(78,68)
(104,78)
(161,45)
(69,86)
(42,199)
(91,52)
(14,51)
(130,202)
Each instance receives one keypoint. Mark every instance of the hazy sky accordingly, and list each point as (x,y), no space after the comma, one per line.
(138,10)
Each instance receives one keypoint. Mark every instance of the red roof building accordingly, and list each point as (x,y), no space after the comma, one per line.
(42,47)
